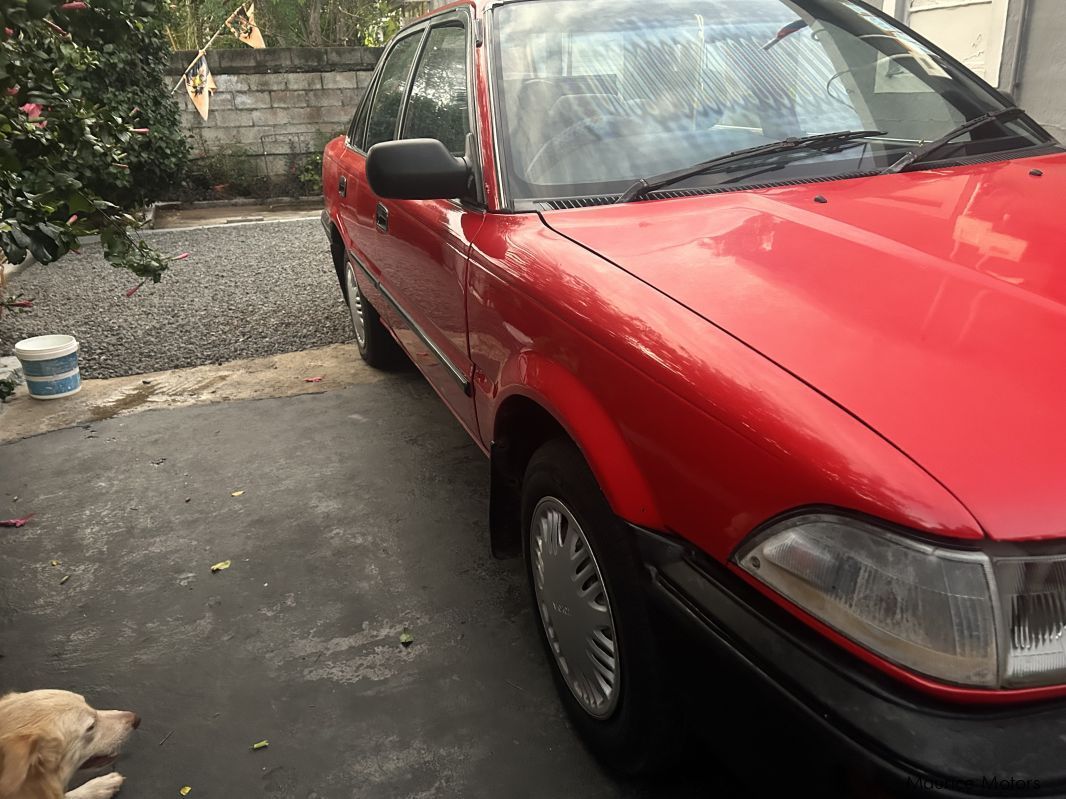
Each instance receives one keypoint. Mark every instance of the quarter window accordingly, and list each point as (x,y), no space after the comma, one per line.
(385,110)
(439,105)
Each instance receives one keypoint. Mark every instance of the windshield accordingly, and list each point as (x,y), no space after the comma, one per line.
(594,94)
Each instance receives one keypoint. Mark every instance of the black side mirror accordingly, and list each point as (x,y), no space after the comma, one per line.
(416,169)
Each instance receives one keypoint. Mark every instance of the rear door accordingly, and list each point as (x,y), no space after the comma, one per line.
(376,121)
(351,169)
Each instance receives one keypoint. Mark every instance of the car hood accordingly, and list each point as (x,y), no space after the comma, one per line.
(931,305)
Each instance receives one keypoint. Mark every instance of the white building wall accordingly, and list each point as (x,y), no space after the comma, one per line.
(971,30)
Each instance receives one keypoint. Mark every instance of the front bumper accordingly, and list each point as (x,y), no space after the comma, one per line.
(907,742)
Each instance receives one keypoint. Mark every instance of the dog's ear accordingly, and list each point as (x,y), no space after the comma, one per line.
(19,754)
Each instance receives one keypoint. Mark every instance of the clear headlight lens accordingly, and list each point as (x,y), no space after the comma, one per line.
(1033,604)
(960,617)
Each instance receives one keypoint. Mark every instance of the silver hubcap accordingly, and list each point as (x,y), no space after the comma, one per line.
(574,607)
(355,307)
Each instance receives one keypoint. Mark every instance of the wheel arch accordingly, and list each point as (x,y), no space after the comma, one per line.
(555,404)
(338,252)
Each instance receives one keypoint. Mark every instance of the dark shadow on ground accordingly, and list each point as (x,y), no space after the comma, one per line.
(363,514)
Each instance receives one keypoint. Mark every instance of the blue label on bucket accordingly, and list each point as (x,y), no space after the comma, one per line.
(53,366)
(50,388)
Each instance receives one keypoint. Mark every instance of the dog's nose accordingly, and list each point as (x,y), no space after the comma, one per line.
(136,721)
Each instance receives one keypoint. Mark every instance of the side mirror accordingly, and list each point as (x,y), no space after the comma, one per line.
(416,169)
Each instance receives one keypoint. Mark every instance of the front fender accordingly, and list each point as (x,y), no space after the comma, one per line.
(559,392)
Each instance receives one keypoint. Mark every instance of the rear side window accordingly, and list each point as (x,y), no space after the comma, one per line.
(439,105)
(355,134)
(385,109)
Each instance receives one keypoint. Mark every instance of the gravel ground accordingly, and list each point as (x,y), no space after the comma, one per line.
(245,291)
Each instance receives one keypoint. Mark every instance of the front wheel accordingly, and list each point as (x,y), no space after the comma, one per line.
(376,345)
(593,618)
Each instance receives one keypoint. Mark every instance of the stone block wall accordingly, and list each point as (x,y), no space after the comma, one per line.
(276,105)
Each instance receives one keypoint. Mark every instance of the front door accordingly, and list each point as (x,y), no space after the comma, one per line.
(421,248)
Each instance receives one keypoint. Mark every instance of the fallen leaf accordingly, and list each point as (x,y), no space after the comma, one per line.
(185,791)
(313,379)
(237,494)
(17,522)
(55,562)
(220,566)
(67,577)
(261,745)
(406,639)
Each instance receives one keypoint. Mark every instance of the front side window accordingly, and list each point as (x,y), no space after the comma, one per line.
(439,105)
(594,94)
(385,109)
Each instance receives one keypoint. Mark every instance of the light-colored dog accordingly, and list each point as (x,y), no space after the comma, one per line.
(46,736)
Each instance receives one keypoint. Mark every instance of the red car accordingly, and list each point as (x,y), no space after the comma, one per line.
(758,309)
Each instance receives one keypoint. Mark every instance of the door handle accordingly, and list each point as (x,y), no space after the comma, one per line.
(342,186)
(381,218)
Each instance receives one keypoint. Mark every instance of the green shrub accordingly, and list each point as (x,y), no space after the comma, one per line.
(230,171)
(63,149)
(129,75)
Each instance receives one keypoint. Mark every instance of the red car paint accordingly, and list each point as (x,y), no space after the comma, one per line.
(895,351)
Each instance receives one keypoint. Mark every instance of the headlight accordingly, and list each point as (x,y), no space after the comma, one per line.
(960,617)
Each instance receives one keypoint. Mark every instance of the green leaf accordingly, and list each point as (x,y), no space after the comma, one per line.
(19,237)
(78,203)
(39,8)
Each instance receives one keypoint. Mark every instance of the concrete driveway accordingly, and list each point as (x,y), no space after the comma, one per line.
(363,513)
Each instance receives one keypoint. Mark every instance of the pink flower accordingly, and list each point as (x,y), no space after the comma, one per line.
(139,130)
(181,257)
(73,219)
(77,6)
(33,112)
(135,289)
(12,91)
(8,32)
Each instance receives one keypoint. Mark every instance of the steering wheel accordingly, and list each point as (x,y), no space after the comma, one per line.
(571,138)
(862,68)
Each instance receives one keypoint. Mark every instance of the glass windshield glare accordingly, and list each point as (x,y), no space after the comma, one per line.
(594,94)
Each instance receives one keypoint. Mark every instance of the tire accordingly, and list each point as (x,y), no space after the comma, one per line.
(589,601)
(376,345)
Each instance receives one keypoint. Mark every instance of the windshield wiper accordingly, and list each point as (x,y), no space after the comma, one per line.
(922,153)
(645,186)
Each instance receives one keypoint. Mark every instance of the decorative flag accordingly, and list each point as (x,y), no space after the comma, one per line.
(200,84)
(242,23)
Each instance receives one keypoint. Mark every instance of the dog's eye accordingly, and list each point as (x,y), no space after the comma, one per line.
(91,728)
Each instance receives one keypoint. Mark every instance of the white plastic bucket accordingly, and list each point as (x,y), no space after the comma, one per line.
(50,366)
